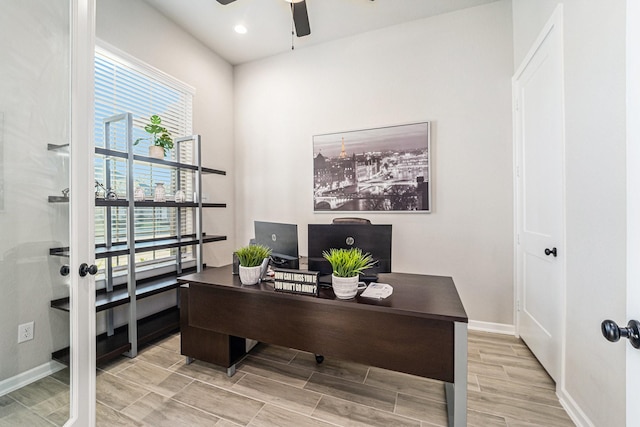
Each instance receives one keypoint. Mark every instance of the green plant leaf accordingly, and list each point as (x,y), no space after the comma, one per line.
(252,255)
(348,262)
(159,135)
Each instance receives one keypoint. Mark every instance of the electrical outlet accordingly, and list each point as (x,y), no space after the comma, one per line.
(25,332)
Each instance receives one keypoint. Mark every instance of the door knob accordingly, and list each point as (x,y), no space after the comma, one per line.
(612,332)
(84,269)
(553,252)
(64,270)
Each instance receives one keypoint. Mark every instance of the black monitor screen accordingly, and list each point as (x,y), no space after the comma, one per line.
(372,238)
(281,238)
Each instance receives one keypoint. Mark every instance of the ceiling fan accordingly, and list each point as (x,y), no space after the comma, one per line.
(300,16)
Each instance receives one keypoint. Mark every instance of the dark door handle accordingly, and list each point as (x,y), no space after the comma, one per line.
(64,270)
(553,251)
(612,332)
(84,269)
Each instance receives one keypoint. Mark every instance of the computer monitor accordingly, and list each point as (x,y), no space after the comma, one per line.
(372,238)
(282,239)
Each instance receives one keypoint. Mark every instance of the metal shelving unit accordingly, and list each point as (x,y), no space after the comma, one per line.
(123,339)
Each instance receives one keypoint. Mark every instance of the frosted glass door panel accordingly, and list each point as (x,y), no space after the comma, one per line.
(34,210)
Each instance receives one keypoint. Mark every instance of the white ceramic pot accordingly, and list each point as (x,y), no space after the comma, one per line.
(250,275)
(345,287)
(156,152)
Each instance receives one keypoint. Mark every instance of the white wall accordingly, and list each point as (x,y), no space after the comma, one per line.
(596,194)
(454,70)
(34,105)
(139,30)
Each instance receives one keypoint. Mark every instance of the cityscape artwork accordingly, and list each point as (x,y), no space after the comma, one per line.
(384,169)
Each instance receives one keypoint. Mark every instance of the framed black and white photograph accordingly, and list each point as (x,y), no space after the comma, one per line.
(372,170)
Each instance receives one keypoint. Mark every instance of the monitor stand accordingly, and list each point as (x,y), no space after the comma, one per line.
(277,262)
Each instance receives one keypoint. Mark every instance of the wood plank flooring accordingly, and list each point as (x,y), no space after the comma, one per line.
(280,387)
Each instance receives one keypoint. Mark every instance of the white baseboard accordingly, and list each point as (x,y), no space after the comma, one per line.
(574,411)
(27,377)
(496,328)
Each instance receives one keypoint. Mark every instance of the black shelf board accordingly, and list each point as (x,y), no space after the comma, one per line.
(101,251)
(158,325)
(64,251)
(141,204)
(61,356)
(170,163)
(107,348)
(104,300)
(111,153)
(115,250)
(61,304)
(58,199)
(213,171)
(149,287)
(149,329)
(167,204)
(120,295)
(152,204)
(116,203)
(119,249)
(146,246)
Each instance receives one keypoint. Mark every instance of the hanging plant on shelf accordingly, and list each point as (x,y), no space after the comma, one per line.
(160,138)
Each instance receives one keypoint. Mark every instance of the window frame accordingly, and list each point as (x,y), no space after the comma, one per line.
(130,64)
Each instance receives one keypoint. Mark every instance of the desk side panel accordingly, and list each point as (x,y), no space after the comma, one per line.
(205,344)
(399,342)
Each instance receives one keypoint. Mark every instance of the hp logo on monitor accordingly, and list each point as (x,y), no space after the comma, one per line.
(350,241)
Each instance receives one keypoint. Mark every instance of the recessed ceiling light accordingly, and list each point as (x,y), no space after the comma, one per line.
(240,29)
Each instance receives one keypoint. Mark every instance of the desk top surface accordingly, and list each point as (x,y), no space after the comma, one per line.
(415,294)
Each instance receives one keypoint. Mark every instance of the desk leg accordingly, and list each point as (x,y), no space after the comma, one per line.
(456,393)
(231,370)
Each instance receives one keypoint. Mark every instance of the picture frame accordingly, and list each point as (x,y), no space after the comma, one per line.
(386,169)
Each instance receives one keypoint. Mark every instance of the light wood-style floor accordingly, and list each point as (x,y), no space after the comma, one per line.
(280,387)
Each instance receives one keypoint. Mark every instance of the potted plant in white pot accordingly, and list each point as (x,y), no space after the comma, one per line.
(347,264)
(160,138)
(252,260)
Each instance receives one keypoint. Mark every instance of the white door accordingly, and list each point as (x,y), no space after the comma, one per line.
(539,158)
(81,214)
(633,204)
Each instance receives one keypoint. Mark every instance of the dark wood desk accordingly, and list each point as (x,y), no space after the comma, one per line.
(421,329)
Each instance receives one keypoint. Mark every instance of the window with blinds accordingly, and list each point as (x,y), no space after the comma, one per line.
(124,84)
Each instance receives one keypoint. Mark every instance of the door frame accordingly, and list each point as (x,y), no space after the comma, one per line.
(81,212)
(633,202)
(554,22)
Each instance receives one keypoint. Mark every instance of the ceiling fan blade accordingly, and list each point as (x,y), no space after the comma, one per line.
(301,18)
(225,1)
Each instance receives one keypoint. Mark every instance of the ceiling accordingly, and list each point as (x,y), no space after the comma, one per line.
(269,21)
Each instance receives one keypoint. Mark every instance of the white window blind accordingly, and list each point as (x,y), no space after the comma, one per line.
(125,85)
